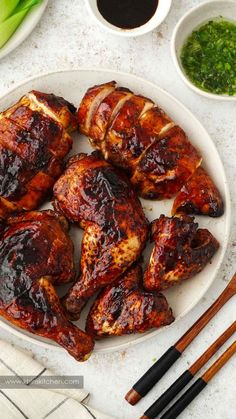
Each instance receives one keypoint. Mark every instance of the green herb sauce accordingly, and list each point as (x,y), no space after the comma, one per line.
(209,57)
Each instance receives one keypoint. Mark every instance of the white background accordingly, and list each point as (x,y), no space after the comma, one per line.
(68,38)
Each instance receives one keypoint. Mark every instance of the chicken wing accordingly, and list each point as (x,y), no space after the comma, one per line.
(123,307)
(199,196)
(34,139)
(101,200)
(136,135)
(181,250)
(35,252)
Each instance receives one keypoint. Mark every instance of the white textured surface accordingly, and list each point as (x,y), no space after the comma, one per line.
(68,38)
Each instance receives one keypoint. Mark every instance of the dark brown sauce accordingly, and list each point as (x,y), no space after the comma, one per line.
(127,14)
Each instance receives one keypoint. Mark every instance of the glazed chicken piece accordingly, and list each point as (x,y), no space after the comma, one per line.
(166,165)
(136,135)
(101,200)
(123,307)
(199,196)
(36,252)
(91,101)
(104,112)
(181,250)
(34,139)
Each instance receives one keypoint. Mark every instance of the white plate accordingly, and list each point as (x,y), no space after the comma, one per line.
(72,85)
(24,30)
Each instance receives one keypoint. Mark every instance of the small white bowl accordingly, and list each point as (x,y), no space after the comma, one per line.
(192,20)
(160,15)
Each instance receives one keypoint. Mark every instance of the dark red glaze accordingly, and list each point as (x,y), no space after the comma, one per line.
(33,143)
(42,128)
(166,166)
(64,111)
(102,116)
(199,196)
(123,307)
(36,252)
(153,121)
(124,141)
(14,174)
(140,138)
(91,100)
(100,198)
(181,250)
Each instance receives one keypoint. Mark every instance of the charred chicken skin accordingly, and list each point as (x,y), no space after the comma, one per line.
(181,250)
(136,135)
(36,252)
(199,196)
(101,200)
(34,139)
(123,307)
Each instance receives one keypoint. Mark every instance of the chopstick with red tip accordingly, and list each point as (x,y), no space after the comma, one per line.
(199,385)
(156,372)
(188,375)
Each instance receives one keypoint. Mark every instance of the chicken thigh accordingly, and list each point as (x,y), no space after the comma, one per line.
(34,139)
(36,252)
(101,200)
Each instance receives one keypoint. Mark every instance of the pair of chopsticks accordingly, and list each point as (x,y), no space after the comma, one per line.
(187,376)
(154,374)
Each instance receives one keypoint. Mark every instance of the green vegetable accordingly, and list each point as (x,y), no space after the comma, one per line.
(26,4)
(6,8)
(209,57)
(9,25)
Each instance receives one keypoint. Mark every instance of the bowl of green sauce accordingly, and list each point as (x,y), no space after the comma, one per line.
(203,48)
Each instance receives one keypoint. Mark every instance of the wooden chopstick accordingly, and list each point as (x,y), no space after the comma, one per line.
(187,376)
(154,374)
(199,385)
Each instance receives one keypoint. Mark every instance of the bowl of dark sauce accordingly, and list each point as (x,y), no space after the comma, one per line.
(129,17)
